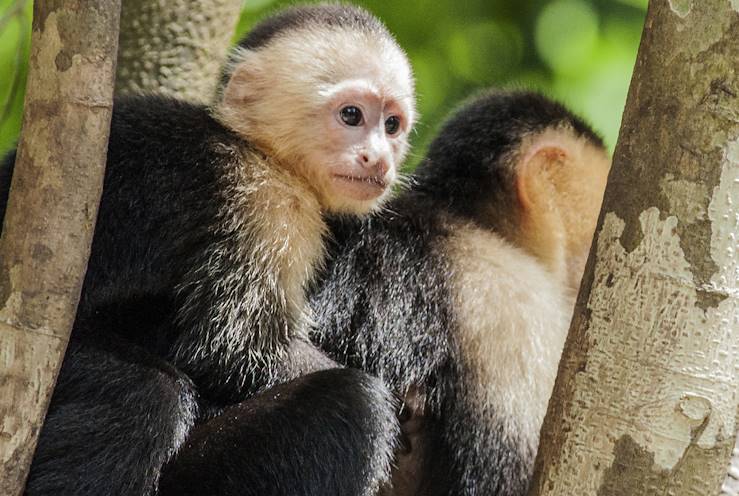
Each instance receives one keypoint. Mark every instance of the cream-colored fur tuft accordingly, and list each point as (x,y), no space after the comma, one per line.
(282,218)
(513,318)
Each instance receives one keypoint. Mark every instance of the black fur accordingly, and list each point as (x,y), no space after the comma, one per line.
(251,448)
(347,17)
(117,415)
(384,303)
(6,174)
(125,400)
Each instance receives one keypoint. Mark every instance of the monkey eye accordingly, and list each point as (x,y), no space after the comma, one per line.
(351,115)
(392,124)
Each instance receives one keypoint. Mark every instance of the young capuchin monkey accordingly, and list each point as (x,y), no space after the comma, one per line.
(210,227)
(459,294)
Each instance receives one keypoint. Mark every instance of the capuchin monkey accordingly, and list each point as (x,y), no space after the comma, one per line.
(459,293)
(210,227)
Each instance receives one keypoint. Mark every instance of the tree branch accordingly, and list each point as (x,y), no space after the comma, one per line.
(53,203)
(175,47)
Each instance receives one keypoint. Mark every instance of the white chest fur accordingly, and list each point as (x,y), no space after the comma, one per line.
(282,228)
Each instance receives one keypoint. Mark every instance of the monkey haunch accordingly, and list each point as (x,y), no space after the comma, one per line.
(209,228)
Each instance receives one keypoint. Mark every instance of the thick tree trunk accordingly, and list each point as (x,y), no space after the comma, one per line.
(175,47)
(51,213)
(646,398)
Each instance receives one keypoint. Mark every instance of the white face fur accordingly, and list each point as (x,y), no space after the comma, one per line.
(335,106)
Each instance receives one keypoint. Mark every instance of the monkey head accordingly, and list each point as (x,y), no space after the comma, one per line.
(327,93)
(526,167)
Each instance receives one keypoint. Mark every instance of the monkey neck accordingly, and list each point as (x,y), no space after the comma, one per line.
(279,222)
(243,300)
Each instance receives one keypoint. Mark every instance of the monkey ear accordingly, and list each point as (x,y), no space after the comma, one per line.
(536,173)
(561,167)
(560,179)
(243,84)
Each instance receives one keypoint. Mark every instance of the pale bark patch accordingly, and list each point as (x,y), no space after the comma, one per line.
(685,198)
(724,218)
(681,7)
(652,284)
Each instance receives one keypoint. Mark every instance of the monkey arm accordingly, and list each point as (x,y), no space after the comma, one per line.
(327,433)
(110,436)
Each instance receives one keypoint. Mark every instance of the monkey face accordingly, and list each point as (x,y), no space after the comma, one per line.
(358,145)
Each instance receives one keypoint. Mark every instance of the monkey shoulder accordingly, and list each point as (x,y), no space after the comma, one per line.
(155,131)
(161,198)
(173,151)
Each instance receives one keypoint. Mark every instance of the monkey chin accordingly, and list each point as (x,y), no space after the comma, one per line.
(356,195)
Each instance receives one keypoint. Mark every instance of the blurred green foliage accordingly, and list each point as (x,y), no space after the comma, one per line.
(15,39)
(581,52)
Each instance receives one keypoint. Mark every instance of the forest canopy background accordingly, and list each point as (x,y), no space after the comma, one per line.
(581,52)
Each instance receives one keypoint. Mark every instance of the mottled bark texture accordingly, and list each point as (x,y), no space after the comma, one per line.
(646,398)
(51,213)
(176,47)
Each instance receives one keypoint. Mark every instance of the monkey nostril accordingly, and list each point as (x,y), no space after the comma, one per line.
(365,158)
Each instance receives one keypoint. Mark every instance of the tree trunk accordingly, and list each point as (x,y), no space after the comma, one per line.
(646,398)
(51,212)
(731,483)
(176,47)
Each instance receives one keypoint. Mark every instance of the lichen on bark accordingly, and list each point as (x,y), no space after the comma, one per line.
(175,47)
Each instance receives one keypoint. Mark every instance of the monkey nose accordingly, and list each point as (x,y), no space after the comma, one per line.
(381,167)
(378,166)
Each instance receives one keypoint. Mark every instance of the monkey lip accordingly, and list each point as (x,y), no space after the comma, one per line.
(362,187)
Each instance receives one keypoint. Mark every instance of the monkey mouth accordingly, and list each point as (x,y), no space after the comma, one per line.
(371,180)
(362,187)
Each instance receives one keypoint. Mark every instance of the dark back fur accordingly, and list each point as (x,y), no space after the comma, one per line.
(161,209)
(150,200)
(157,209)
(6,174)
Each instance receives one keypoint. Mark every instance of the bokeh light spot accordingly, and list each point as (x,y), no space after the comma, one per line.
(566,34)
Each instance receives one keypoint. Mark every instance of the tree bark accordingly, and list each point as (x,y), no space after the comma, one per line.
(175,47)
(731,483)
(51,212)
(646,397)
